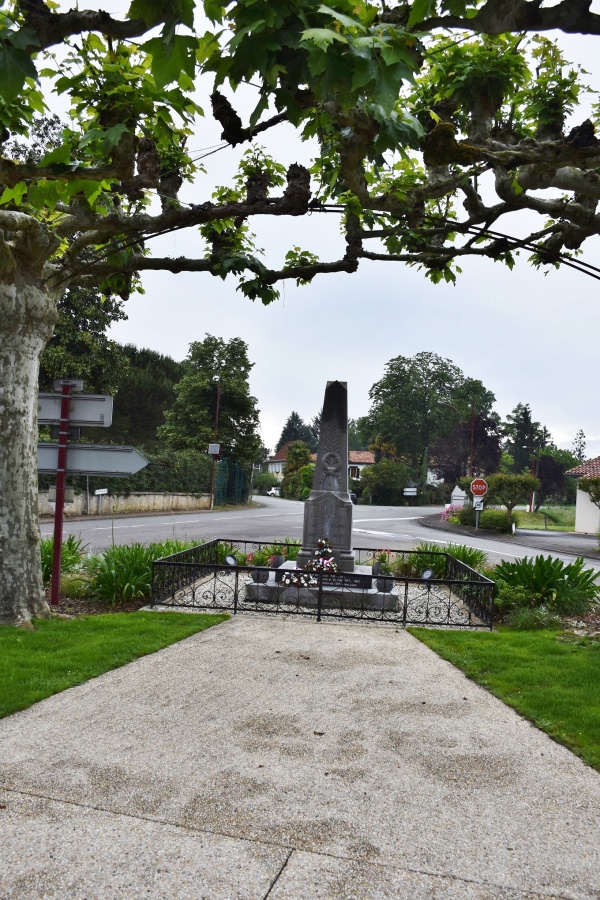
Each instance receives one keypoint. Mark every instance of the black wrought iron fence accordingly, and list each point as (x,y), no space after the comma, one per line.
(244,576)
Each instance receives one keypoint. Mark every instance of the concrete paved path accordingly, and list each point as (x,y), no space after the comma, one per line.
(282,759)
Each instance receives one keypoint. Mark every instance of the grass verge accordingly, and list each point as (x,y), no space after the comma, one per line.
(551,678)
(558,518)
(61,653)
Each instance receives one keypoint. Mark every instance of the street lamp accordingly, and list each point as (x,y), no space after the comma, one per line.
(214,447)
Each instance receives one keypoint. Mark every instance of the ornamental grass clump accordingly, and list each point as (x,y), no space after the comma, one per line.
(71,553)
(121,573)
(470,556)
(428,556)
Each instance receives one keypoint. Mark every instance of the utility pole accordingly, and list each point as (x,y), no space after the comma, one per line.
(217,381)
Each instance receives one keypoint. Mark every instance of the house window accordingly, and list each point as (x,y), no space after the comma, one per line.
(353,472)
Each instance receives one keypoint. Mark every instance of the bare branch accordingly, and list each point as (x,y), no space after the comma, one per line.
(502,16)
(51,28)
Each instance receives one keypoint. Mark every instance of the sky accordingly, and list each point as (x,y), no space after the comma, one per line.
(529,337)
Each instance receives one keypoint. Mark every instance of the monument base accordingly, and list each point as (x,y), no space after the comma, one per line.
(355,591)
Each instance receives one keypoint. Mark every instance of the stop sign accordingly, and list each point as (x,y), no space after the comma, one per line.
(479,487)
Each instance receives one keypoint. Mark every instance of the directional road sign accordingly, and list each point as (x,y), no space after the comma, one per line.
(84,409)
(92,459)
(479,487)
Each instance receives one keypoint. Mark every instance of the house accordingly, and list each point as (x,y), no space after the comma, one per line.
(357,460)
(276,463)
(587,514)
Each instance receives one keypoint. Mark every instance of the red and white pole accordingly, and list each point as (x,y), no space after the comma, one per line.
(61,474)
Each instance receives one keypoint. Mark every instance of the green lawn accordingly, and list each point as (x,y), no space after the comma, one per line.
(558,518)
(551,679)
(63,652)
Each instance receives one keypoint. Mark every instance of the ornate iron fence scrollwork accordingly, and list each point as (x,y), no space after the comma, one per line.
(204,577)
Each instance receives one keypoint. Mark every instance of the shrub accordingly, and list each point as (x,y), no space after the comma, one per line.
(452,514)
(71,554)
(495,520)
(265,481)
(512,597)
(466,516)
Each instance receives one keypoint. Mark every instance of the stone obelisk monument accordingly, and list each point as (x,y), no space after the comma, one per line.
(328,510)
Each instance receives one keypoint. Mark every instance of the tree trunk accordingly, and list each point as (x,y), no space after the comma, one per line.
(27,317)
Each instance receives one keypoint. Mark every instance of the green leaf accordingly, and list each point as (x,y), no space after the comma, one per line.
(14,194)
(214,9)
(322,37)
(387,87)
(61,154)
(15,67)
(46,193)
(421,9)
(23,38)
(149,11)
(169,60)
(112,136)
(340,17)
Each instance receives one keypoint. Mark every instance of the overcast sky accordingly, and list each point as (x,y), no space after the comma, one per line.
(529,337)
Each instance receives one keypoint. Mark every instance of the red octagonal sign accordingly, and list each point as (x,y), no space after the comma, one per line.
(479,487)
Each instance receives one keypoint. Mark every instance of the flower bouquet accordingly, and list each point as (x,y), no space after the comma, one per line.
(324,560)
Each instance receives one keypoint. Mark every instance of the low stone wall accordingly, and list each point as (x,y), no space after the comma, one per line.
(137,502)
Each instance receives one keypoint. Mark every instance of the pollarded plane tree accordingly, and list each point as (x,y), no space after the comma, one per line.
(430,125)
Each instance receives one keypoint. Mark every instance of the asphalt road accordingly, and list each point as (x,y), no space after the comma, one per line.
(393,527)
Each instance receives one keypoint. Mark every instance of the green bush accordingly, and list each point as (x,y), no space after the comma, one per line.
(512,597)
(491,519)
(265,481)
(495,520)
(466,516)
(71,554)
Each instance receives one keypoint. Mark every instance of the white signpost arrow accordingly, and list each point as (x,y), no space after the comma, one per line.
(84,409)
(92,459)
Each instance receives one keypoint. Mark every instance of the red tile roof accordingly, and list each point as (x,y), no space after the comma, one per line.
(281,454)
(358,457)
(355,457)
(589,469)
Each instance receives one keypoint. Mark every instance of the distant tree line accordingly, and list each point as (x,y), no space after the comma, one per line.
(427,416)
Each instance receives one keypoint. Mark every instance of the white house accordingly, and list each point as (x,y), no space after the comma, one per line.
(587,514)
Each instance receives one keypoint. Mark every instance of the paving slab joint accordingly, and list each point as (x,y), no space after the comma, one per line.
(279,874)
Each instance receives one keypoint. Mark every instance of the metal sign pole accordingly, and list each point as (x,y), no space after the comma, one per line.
(61,474)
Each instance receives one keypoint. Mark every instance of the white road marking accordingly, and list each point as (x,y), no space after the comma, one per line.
(391,519)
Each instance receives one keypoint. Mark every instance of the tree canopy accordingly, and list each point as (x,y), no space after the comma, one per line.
(213,403)
(296,429)
(434,123)
(425,401)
